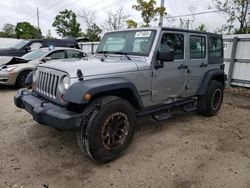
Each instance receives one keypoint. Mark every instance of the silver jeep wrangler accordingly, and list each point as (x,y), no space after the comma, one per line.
(134,73)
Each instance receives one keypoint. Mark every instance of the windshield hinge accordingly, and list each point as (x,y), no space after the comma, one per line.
(79,74)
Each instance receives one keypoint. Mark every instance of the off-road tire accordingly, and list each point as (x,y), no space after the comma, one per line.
(20,81)
(210,103)
(95,121)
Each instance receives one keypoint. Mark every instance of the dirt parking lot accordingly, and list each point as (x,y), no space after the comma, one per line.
(187,151)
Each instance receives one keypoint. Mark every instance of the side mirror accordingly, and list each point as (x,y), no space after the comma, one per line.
(46,59)
(27,49)
(165,53)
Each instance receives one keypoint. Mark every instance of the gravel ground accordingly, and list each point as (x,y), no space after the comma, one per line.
(187,151)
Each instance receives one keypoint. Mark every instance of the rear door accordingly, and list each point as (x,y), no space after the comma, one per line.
(170,81)
(197,62)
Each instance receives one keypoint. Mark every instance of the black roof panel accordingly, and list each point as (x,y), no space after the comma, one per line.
(190,31)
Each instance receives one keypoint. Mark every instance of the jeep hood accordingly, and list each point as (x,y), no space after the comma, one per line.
(93,66)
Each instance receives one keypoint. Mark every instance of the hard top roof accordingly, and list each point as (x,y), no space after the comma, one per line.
(170,29)
(189,31)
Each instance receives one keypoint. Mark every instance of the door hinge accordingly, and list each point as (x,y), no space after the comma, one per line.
(154,74)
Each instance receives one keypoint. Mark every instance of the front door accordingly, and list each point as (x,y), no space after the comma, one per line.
(170,80)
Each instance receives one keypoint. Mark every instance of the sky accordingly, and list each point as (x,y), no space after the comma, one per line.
(13,11)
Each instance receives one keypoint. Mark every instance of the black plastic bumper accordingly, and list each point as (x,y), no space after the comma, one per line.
(47,113)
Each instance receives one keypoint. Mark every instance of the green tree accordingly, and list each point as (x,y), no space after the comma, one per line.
(9,30)
(132,24)
(66,24)
(148,10)
(24,30)
(201,27)
(2,35)
(237,11)
(93,33)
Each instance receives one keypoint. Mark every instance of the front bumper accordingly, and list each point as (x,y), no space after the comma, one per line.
(45,112)
(7,78)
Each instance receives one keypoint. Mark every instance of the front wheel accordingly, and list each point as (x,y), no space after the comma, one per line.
(210,103)
(107,129)
(20,82)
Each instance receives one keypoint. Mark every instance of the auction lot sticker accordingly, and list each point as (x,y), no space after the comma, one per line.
(141,34)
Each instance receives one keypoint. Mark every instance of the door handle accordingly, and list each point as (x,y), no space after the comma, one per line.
(189,71)
(203,65)
(183,66)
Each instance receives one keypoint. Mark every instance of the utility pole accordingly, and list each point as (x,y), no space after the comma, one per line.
(37,14)
(188,23)
(161,15)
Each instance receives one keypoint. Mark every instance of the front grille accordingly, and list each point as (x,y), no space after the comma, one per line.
(47,84)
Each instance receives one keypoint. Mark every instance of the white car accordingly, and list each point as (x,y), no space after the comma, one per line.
(14,70)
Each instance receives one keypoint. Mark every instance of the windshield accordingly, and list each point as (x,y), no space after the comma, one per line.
(19,44)
(136,42)
(34,54)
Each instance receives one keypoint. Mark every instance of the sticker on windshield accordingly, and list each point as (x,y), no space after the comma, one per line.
(140,34)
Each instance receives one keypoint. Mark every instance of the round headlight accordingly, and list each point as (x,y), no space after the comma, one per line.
(66,82)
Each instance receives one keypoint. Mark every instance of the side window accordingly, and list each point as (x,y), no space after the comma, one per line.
(35,45)
(57,55)
(197,47)
(215,47)
(74,54)
(176,42)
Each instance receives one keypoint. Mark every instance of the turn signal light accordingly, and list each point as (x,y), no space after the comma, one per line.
(87,96)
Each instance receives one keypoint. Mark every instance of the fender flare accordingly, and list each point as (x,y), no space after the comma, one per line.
(96,86)
(210,75)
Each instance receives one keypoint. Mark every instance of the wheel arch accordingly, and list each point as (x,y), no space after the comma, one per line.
(104,87)
(218,75)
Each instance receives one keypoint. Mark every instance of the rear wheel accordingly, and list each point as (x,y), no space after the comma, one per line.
(107,129)
(20,82)
(210,103)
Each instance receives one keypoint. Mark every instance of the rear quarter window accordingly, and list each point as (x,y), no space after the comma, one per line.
(215,47)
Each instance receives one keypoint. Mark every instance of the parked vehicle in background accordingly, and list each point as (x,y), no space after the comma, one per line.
(15,71)
(134,73)
(7,42)
(24,46)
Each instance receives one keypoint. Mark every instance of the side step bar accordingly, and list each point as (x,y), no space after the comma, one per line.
(189,107)
(162,116)
(162,109)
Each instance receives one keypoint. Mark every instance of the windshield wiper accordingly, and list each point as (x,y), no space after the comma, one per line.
(103,52)
(114,52)
(123,53)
